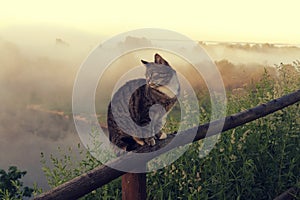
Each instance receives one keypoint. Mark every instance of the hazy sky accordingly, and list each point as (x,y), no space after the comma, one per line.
(208,20)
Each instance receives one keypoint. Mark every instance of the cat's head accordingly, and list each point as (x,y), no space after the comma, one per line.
(160,75)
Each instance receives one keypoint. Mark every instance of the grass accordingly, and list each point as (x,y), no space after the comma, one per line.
(258,160)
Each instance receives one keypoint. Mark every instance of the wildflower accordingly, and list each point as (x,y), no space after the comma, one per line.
(233,137)
(233,157)
(198,178)
(245,134)
(184,174)
(199,188)
(240,146)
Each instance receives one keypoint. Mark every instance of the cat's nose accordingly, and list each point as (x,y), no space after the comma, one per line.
(150,83)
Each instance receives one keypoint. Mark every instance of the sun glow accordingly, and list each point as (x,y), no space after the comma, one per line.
(251,21)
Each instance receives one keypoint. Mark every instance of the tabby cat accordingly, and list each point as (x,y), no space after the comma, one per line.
(137,111)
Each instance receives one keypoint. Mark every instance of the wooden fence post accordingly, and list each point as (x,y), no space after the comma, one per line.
(134,186)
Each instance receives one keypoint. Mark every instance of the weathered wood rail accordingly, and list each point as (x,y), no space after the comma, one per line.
(102,175)
(290,194)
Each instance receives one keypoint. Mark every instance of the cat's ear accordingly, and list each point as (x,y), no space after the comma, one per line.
(145,62)
(159,60)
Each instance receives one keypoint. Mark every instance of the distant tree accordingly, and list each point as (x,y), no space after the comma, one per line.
(11,187)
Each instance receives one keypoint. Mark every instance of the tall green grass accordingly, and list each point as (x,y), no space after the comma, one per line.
(258,160)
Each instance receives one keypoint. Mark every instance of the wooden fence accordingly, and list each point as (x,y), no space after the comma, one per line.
(102,175)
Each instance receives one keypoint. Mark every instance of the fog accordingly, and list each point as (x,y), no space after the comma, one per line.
(245,53)
(38,67)
(25,130)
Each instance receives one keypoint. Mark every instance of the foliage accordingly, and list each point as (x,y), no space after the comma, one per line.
(11,187)
(74,163)
(258,160)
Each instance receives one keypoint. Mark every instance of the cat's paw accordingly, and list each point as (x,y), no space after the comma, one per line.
(139,141)
(150,141)
(163,136)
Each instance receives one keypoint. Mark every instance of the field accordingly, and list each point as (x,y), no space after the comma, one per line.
(259,160)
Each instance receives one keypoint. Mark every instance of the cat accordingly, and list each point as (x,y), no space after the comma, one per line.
(149,99)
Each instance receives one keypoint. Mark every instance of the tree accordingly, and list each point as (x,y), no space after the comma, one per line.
(11,187)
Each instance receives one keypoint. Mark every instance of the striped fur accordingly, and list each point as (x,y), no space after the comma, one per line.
(142,95)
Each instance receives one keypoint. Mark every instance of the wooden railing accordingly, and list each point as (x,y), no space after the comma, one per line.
(102,175)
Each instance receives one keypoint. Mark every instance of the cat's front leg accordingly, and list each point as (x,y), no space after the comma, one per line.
(150,141)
